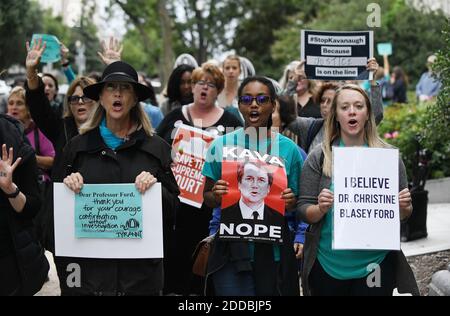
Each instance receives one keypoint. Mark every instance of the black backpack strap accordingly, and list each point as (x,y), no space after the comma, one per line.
(313,129)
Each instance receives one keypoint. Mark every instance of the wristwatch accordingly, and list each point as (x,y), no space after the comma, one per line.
(14,194)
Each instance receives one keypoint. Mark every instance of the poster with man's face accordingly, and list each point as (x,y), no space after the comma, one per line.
(253,208)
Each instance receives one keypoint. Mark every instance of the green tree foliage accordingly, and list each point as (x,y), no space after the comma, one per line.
(408,29)
(437,122)
(19,19)
(257,31)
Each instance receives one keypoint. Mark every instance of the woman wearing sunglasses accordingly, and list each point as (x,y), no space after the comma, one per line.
(117,145)
(237,268)
(191,224)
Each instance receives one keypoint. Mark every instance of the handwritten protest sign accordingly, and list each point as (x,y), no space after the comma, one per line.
(190,146)
(252,209)
(336,55)
(108,212)
(384,49)
(67,244)
(52,52)
(366,209)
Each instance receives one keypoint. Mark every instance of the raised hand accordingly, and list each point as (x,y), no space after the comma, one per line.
(372,65)
(7,168)
(112,52)
(64,54)
(34,54)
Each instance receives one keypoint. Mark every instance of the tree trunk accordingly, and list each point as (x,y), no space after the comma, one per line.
(167,57)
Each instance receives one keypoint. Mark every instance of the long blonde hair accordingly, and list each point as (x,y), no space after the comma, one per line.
(137,115)
(333,131)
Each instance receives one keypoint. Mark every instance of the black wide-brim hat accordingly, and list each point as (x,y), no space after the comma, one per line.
(118,71)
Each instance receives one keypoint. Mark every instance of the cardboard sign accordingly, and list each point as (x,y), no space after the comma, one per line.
(68,245)
(190,145)
(52,52)
(336,55)
(384,49)
(366,210)
(252,209)
(105,211)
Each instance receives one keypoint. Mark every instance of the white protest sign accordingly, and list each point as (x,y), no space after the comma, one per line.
(67,245)
(366,210)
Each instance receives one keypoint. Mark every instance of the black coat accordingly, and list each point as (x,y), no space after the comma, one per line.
(58,130)
(88,155)
(32,263)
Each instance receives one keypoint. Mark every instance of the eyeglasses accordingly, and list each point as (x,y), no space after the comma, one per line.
(121,86)
(75,99)
(260,99)
(206,83)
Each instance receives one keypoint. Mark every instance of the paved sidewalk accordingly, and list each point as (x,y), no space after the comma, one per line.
(438,227)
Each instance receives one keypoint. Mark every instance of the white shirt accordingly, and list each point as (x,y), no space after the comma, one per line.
(247,212)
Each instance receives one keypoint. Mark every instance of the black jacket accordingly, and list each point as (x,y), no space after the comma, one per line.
(58,130)
(32,264)
(88,155)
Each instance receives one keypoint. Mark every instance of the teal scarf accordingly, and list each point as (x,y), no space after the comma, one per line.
(111,140)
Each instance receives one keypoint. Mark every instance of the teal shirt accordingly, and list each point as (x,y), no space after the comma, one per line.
(344,264)
(283,148)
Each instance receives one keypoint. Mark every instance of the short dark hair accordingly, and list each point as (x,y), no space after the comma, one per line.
(259,165)
(263,80)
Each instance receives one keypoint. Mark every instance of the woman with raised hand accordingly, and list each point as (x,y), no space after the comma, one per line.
(23,266)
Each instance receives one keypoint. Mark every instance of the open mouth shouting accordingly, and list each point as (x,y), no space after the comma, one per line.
(117,106)
(353,123)
(254,116)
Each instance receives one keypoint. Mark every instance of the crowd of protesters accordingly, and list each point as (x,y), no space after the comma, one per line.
(118,115)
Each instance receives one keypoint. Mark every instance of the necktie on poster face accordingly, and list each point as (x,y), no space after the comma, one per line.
(255,215)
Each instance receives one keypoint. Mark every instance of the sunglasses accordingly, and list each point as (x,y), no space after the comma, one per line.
(75,99)
(260,100)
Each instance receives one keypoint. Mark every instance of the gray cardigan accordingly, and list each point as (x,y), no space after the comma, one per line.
(301,125)
(311,184)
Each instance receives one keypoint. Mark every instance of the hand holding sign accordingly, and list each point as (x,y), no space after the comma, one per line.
(144,181)
(325,199)
(219,189)
(289,198)
(52,50)
(74,182)
(404,203)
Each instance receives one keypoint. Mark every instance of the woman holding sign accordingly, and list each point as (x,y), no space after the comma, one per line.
(117,145)
(326,271)
(191,224)
(242,267)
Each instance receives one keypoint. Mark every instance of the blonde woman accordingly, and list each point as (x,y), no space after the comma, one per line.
(231,70)
(118,140)
(330,272)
